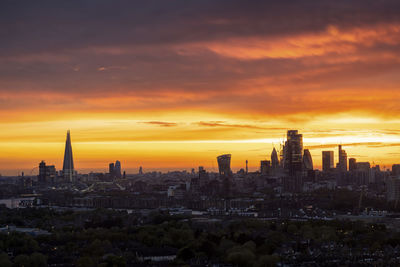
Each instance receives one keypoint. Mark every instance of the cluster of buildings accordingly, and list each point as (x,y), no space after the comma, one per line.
(288,172)
(49,175)
(114,170)
(292,171)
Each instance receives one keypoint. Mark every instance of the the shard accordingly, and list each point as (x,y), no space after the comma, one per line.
(68,167)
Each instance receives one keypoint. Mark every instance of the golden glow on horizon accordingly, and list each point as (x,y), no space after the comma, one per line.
(180,143)
(236,94)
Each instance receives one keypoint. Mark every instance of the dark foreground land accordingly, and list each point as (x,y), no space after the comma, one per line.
(116,238)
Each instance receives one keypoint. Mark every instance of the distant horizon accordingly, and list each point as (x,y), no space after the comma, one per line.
(133,171)
(209,164)
(166,84)
(138,87)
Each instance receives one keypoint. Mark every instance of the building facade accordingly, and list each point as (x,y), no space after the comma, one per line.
(68,166)
(293,152)
(328,161)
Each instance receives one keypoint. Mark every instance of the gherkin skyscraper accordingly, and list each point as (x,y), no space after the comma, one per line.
(68,167)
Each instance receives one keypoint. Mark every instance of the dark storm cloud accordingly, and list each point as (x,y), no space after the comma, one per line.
(131,55)
(42,26)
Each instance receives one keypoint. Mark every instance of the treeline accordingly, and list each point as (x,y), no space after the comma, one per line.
(113,238)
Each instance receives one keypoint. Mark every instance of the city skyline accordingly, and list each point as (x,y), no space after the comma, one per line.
(152,83)
(200,133)
(300,157)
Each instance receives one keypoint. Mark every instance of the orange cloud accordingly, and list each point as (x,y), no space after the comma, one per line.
(180,104)
(332,40)
(161,123)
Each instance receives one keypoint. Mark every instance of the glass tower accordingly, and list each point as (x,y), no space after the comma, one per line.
(68,166)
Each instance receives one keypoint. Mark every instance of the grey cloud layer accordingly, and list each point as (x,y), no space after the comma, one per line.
(40,26)
(95,49)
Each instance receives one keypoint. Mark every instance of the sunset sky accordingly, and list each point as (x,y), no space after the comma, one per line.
(173,84)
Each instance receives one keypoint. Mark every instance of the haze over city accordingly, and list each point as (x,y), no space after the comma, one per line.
(171,85)
(224,133)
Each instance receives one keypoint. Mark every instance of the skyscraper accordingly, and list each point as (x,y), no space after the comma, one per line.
(293,152)
(342,160)
(68,166)
(111,168)
(265,166)
(352,164)
(225,173)
(274,159)
(203,176)
(117,169)
(42,172)
(47,173)
(363,166)
(396,170)
(224,165)
(307,160)
(327,161)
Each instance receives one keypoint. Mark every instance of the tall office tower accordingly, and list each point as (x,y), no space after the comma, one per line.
(225,173)
(247,166)
(327,161)
(364,173)
(42,172)
(396,169)
(117,169)
(274,159)
(352,164)
(68,166)
(111,168)
(265,167)
(140,170)
(307,160)
(393,189)
(293,152)
(363,166)
(203,176)
(47,173)
(342,159)
(224,165)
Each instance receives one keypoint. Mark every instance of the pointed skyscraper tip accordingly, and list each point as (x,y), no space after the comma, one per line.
(68,166)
